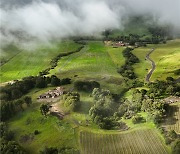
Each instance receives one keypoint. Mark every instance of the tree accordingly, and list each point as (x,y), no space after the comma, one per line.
(8,147)
(50,150)
(40,82)
(16,94)
(176,147)
(137,119)
(44,108)
(28,100)
(172,134)
(55,81)
(65,81)
(72,101)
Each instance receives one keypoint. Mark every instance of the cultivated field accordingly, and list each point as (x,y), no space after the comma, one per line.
(173,122)
(167,59)
(27,63)
(145,141)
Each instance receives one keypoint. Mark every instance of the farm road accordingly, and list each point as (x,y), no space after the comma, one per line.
(148,76)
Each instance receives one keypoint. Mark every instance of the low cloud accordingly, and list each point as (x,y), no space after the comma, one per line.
(35,21)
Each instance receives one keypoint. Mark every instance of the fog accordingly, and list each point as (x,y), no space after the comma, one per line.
(28,22)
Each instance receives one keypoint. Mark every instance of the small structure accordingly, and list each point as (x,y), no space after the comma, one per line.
(52,93)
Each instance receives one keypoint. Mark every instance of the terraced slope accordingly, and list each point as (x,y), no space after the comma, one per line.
(142,141)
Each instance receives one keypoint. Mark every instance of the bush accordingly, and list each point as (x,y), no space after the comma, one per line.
(176,147)
(40,82)
(72,101)
(87,86)
(36,132)
(55,81)
(65,81)
(137,119)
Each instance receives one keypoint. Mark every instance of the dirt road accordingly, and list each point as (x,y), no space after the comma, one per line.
(148,76)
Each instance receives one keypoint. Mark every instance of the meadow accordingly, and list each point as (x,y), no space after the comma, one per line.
(141,69)
(27,63)
(94,62)
(167,59)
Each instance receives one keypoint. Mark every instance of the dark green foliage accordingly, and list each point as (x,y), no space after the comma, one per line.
(137,119)
(55,150)
(55,60)
(15,93)
(7,110)
(172,134)
(65,81)
(44,108)
(5,133)
(72,101)
(87,86)
(177,72)
(49,150)
(36,132)
(28,100)
(127,70)
(41,82)
(9,146)
(103,110)
(55,81)
(176,147)
(159,88)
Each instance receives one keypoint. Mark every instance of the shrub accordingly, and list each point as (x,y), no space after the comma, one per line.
(36,132)
(137,119)
(87,86)
(72,101)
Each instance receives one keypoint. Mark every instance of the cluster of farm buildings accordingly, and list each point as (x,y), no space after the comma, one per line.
(52,93)
(116,44)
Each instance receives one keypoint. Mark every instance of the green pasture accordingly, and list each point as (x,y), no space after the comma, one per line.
(94,62)
(28,63)
(167,59)
(141,69)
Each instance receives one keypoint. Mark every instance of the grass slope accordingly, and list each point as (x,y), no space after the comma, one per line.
(28,63)
(141,68)
(94,62)
(167,59)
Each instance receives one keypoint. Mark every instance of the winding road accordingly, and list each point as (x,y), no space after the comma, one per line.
(148,76)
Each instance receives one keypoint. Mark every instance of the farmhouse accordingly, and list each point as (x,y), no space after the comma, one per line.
(52,93)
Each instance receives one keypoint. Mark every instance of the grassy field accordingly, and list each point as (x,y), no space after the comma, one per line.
(139,141)
(173,121)
(94,62)
(141,68)
(53,132)
(167,59)
(8,52)
(28,63)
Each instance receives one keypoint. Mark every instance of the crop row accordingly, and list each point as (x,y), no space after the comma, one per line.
(136,142)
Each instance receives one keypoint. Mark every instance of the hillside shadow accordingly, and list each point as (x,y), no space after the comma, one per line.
(171,119)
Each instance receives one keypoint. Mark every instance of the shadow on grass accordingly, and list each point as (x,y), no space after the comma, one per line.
(171,120)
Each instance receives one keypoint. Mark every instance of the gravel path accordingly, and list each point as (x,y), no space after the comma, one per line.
(148,76)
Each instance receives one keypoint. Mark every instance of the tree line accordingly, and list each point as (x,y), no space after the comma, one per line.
(127,70)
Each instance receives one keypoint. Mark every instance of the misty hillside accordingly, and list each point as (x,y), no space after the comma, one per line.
(90,77)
